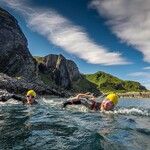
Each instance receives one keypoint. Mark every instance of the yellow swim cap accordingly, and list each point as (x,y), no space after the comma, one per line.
(32,93)
(113,97)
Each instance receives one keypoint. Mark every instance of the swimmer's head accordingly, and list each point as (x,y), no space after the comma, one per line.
(30,96)
(109,102)
(113,98)
(107,105)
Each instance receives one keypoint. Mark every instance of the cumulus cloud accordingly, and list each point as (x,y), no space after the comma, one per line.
(63,33)
(147,68)
(146,84)
(140,74)
(129,20)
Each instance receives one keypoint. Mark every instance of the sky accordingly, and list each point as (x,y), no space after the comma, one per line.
(99,35)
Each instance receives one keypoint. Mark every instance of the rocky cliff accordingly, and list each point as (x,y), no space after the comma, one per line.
(57,70)
(20,85)
(62,71)
(15,58)
(19,71)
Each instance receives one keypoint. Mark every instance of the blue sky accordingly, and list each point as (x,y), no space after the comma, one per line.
(111,36)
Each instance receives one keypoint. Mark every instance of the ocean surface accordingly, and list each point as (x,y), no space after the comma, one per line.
(47,126)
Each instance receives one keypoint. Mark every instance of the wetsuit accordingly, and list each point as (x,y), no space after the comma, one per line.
(91,104)
(16,97)
(6,97)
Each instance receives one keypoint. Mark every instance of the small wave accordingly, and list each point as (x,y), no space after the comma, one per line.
(52,102)
(10,102)
(78,108)
(120,111)
(130,111)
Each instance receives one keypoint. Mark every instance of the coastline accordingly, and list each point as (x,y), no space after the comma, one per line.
(134,95)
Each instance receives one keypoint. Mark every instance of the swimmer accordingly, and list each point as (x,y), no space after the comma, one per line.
(88,100)
(29,99)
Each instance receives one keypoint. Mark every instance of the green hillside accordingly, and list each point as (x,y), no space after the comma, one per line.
(83,85)
(106,83)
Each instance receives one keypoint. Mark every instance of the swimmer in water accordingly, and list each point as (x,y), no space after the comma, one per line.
(108,103)
(29,99)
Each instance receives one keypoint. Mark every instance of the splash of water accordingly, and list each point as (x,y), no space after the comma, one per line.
(129,111)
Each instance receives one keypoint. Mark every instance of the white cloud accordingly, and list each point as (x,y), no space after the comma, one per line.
(147,68)
(63,33)
(147,84)
(142,77)
(140,74)
(129,20)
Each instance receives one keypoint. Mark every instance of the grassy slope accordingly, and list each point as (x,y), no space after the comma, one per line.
(83,85)
(39,59)
(106,83)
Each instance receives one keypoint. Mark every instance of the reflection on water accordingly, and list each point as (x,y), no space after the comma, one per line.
(48,126)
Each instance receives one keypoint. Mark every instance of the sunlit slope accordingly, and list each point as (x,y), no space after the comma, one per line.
(106,83)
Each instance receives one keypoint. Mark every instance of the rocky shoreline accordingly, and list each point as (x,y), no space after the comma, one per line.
(21,85)
(135,95)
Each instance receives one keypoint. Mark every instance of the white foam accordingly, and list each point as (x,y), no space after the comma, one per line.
(129,111)
(78,108)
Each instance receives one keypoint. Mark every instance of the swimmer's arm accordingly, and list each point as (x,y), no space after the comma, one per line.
(84,96)
(16,97)
(7,97)
(19,98)
(4,98)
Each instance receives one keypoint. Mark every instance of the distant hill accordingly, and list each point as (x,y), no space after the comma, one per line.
(106,82)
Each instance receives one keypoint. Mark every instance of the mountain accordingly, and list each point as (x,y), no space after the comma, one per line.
(106,83)
(57,70)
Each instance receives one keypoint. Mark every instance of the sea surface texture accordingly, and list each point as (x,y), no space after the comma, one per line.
(48,126)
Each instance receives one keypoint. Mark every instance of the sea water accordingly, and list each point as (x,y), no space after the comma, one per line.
(48,126)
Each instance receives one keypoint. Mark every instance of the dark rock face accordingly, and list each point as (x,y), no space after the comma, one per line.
(61,74)
(64,71)
(15,58)
(16,61)
(73,70)
(21,85)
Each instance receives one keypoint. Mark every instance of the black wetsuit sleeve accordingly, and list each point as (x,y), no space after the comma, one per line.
(5,98)
(87,103)
(72,102)
(19,98)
